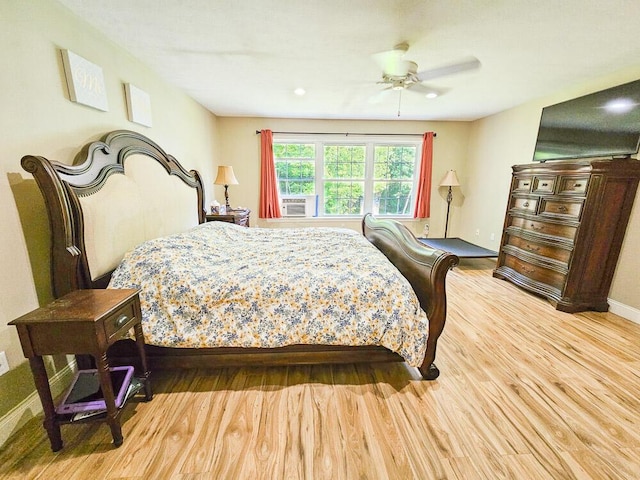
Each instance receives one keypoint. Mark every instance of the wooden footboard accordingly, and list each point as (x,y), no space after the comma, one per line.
(425,268)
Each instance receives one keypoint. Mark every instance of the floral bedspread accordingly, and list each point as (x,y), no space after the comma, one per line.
(220,284)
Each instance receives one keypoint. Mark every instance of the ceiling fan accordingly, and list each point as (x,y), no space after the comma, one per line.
(401,74)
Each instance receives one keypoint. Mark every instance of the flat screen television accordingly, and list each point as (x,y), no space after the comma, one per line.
(601,124)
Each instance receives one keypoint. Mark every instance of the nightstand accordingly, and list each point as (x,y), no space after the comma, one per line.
(82,322)
(239,217)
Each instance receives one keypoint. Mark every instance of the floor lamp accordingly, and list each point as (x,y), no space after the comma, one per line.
(450,180)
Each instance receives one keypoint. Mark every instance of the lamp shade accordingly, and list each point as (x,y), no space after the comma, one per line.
(450,179)
(225,176)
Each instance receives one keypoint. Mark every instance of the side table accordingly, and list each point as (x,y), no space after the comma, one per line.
(82,322)
(239,217)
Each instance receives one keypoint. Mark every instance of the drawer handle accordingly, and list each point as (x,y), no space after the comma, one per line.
(528,270)
(121,321)
(533,227)
(545,184)
(532,248)
(577,185)
(525,204)
(563,209)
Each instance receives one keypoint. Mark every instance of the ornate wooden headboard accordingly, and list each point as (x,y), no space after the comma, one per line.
(121,191)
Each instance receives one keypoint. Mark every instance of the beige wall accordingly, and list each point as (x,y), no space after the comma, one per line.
(508,138)
(240,147)
(38,118)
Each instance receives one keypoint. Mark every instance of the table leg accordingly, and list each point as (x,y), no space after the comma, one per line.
(109,399)
(148,393)
(44,391)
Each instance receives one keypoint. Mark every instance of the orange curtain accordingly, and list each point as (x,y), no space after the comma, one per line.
(423,197)
(269,199)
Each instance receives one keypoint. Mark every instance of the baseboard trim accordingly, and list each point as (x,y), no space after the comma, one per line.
(31,407)
(624,311)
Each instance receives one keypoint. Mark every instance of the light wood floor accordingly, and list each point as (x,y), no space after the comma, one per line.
(526,392)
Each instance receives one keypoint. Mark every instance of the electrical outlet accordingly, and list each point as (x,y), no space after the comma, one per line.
(4,363)
(477,232)
(493,236)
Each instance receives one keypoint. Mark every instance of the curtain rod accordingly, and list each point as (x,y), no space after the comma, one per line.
(347,134)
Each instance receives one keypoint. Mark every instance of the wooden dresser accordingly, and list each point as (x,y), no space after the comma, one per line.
(564,228)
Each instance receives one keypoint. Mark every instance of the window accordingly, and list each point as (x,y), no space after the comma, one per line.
(295,168)
(394,171)
(344,179)
(350,176)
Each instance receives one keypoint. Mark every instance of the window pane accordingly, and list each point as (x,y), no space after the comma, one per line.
(344,161)
(392,198)
(343,198)
(293,150)
(394,162)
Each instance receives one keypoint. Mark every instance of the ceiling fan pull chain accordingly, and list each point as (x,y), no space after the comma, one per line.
(399,101)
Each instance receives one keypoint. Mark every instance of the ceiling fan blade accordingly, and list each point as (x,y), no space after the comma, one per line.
(471,63)
(425,89)
(381,96)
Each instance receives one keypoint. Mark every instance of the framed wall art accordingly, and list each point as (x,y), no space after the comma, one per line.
(85,81)
(138,105)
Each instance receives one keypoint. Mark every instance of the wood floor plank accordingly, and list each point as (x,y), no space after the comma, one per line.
(525,392)
(360,458)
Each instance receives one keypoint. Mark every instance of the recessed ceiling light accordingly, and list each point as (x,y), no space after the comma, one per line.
(299,91)
(431,95)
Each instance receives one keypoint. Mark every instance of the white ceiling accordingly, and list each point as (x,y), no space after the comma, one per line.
(245,57)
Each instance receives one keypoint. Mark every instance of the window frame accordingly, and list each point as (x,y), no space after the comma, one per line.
(369,141)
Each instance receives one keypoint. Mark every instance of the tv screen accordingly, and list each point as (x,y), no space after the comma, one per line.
(601,124)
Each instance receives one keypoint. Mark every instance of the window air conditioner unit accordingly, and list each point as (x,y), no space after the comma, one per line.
(299,205)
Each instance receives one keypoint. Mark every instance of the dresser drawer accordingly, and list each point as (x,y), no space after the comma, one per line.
(537,248)
(120,322)
(524,204)
(561,207)
(543,185)
(535,272)
(544,228)
(573,185)
(522,184)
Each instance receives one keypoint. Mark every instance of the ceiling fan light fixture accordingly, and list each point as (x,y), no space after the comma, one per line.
(299,91)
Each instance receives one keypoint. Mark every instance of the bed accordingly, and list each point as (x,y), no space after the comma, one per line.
(124,199)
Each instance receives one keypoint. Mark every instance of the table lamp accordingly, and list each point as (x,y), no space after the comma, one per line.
(226,177)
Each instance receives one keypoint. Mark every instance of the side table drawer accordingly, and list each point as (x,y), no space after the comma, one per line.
(120,322)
